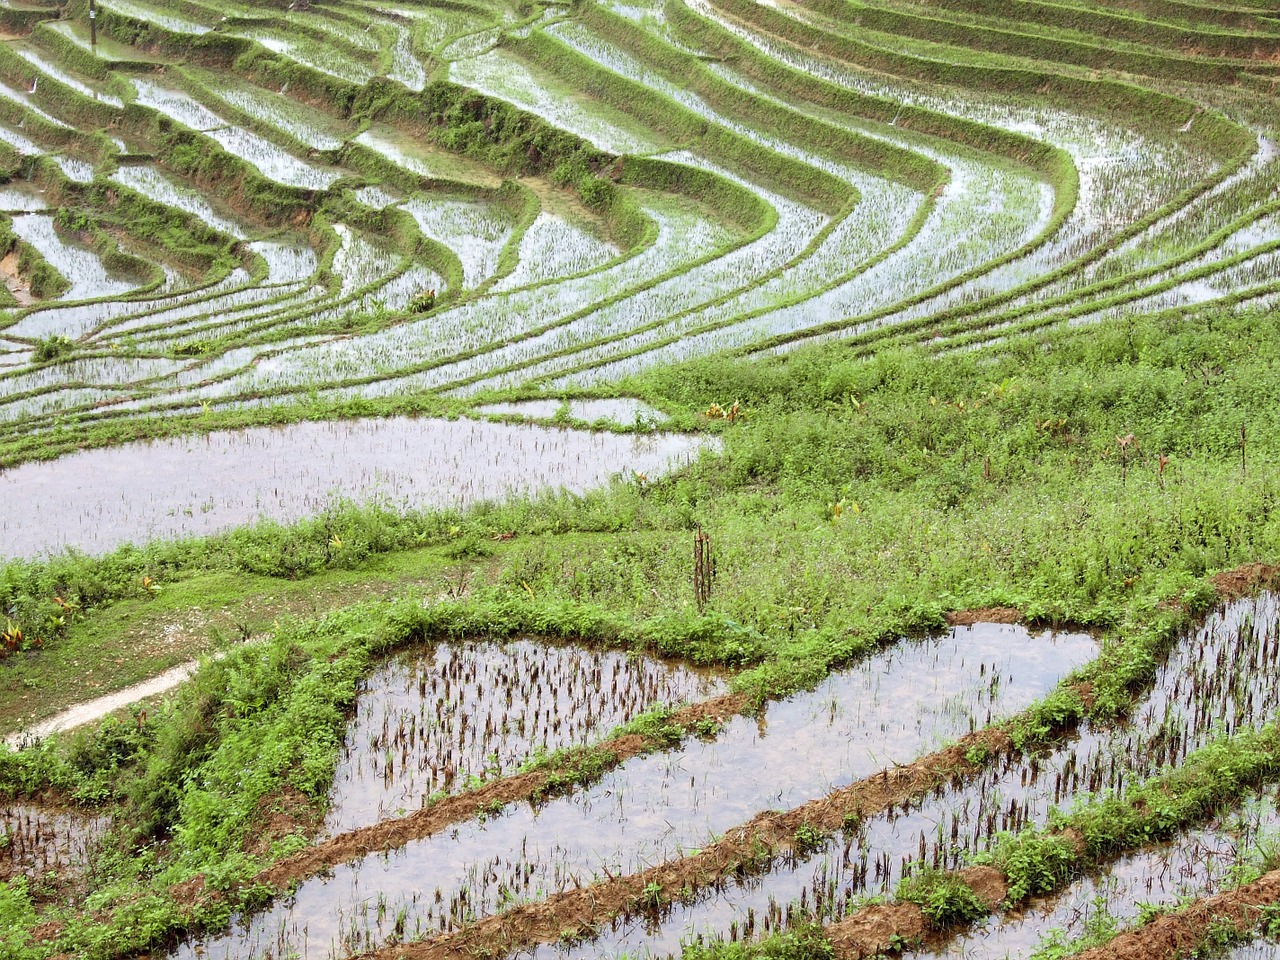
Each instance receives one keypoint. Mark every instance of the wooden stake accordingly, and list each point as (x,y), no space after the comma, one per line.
(703,568)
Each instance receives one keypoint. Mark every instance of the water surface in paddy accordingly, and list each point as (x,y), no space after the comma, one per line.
(106,47)
(1258,950)
(440,721)
(35,840)
(623,411)
(97,500)
(896,705)
(1218,679)
(1195,863)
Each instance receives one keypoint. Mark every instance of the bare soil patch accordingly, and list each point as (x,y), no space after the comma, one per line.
(1245,579)
(988,883)
(14,281)
(874,930)
(870,931)
(967,618)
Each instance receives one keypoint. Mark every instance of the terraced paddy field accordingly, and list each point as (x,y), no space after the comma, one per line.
(665,478)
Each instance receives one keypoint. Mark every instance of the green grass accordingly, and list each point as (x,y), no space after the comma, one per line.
(964,483)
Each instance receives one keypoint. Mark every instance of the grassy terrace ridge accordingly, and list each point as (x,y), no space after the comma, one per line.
(1120,102)
(1220,134)
(1004,39)
(1087,838)
(790,178)
(1217,40)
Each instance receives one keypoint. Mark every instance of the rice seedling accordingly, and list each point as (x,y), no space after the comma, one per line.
(892,706)
(431,724)
(221,225)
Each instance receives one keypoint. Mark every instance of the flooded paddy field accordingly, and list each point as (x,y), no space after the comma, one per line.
(430,725)
(894,706)
(167,488)
(41,840)
(1218,679)
(1124,209)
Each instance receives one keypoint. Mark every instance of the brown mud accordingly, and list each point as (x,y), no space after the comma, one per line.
(1176,934)
(877,929)
(14,281)
(281,814)
(1245,579)
(967,618)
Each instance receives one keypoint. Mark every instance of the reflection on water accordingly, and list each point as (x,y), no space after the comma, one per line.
(904,701)
(99,499)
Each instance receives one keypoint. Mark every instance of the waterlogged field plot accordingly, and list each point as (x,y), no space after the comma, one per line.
(894,706)
(431,724)
(506,78)
(476,232)
(1195,863)
(1042,210)
(87,276)
(138,492)
(1218,680)
(41,840)
(154,184)
(620,412)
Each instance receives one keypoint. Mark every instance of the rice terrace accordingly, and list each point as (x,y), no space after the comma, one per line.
(714,479)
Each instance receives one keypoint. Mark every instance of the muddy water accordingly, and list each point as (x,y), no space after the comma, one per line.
(1194,864)
(898,704)
(36,840)
(442,720)
(1221,677)
(199,485)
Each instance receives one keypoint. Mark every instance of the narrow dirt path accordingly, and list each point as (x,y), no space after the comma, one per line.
(91,710)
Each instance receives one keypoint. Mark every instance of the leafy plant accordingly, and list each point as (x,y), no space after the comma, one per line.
(52,349)
(945,899)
